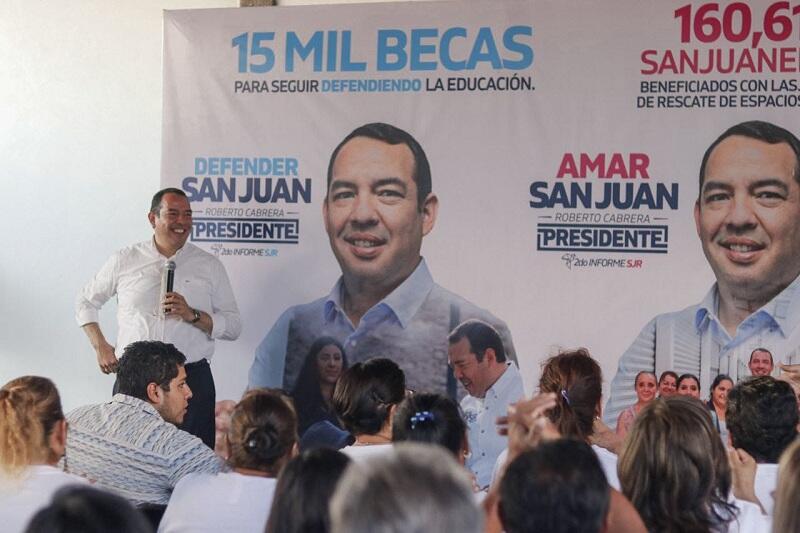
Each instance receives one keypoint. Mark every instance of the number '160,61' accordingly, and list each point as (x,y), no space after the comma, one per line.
(736,22)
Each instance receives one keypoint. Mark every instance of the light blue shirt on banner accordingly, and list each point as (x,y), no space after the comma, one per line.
(694,341)
(409,326)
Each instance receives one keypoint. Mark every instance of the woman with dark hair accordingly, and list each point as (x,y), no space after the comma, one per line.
(33,436)
(675,471)
(689,385)
(434,419)
(365,399)
(262,437)
(313,390)
(305,487)
(667,384)
(645,386)
(718,403)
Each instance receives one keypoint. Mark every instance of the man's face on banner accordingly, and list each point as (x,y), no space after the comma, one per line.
(748,215)
(372,216)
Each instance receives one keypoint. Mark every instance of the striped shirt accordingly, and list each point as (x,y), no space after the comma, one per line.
(126,447)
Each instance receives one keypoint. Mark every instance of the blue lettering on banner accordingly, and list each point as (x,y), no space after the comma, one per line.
(394,52)
(256,189)
(249,230)
(415,50)
(602,238)
(617,195)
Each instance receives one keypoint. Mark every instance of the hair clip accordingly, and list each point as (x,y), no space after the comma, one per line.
(564,395)
(421,416)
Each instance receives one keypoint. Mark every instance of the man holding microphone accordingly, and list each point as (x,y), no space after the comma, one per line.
(198,309)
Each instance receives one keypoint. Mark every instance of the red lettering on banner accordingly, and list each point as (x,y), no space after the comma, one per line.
(631,167)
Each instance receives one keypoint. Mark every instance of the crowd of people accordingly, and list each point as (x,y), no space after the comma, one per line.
(125,466)
(330,435)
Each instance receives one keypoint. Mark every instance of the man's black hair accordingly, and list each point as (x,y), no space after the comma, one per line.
(155,203)
(145,362)
(559,486)
(480,336)
(762,417)
(760,131)
(392,135)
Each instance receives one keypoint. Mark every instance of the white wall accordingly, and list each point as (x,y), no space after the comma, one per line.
(80,145)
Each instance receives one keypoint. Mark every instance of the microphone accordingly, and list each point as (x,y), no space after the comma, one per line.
(168,280)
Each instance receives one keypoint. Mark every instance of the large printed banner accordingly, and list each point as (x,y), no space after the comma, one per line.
(543,154)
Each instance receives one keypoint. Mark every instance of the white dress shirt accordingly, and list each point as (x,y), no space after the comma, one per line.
(134,275)
(485,444)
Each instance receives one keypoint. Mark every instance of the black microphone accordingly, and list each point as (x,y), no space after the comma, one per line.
(169,275)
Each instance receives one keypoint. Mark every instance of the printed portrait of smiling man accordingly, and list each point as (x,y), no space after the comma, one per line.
(378,208)
(747,216)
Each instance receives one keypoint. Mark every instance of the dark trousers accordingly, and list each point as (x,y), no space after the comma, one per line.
(199,419)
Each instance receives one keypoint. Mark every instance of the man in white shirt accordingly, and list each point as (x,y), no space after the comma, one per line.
(200,308)
(478,360)
(762,420)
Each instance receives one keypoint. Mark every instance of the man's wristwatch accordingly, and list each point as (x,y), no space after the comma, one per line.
(196,316)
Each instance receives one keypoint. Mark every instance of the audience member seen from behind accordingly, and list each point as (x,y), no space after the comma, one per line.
(84,509)
(417,488)
(718,402)
(571,388)
(365,399)
(675,471)
(667,384)
(689,385)
(646,386)
(433,419)
(576,380)
(304,491)
(33,434)
(137,429)
(787,493)
(558,487)
(762,420)
(313,390)
(760,363)
(262,438)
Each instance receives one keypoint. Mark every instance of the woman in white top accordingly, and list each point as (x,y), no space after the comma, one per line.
(365,399)
(33,436)
(261,439)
